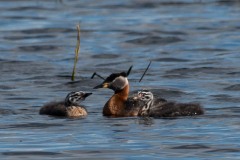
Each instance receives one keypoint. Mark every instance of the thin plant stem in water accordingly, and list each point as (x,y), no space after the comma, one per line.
(145,71)
(77,50)
(129,70)
(96,74)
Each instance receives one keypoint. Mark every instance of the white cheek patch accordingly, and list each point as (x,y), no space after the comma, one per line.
(74,99)
(71,100)
(120,82)
(145,96)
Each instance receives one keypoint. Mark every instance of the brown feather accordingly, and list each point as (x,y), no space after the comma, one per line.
(59,109)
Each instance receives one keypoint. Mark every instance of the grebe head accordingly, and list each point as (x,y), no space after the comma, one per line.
(116,82)
(74,97)
(147,97)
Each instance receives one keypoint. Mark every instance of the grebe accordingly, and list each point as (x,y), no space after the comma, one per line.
(119,104)
(162,108)
(67,108)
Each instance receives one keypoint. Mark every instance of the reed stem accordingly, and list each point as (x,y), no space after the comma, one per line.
(77,50)
(145,71)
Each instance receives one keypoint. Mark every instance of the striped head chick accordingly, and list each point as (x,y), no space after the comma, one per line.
(147,97)
(68,108)
(73,98)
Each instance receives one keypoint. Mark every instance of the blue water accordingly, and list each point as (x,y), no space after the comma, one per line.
(194,49)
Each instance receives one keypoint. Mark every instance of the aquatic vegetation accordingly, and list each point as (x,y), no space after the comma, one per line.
(77,50)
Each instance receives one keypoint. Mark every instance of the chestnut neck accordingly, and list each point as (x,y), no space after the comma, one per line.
(123,94)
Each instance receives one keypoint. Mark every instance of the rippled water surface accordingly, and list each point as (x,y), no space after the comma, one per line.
(194,48)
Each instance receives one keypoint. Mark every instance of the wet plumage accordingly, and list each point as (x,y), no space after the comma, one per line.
(67,108)
(121,105)
(162,108)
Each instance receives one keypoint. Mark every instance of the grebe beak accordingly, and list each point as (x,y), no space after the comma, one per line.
(87,94)
(103,85)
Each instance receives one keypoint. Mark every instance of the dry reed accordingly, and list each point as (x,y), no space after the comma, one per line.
(77,50)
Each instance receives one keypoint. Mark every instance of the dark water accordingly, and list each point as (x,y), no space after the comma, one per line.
(194,46)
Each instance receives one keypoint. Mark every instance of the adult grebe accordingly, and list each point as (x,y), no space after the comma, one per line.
(119,104)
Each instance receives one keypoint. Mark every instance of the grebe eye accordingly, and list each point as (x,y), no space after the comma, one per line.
(147,97)
(140,94)
(71,99)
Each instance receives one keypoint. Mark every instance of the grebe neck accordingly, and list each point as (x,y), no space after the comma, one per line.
(123,94)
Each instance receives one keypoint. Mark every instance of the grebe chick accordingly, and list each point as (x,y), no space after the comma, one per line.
(162,108)
(119,104)
(67,108)
(147,98)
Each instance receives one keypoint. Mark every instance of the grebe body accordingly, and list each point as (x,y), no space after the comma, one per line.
(162,108)
(67,108)
(119,104)
(142,105)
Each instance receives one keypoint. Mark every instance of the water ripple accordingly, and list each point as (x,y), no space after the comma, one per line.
(194,45)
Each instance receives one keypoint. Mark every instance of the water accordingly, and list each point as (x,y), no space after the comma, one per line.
(194,46)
